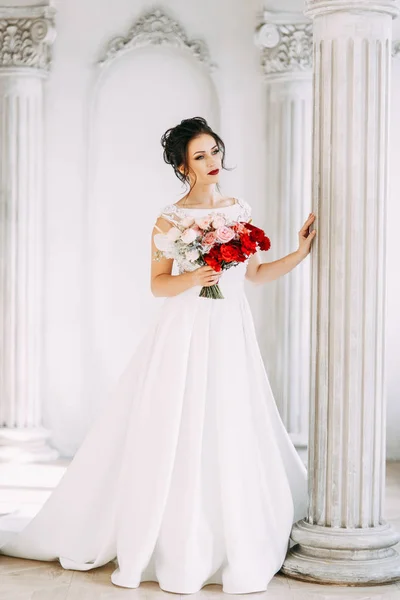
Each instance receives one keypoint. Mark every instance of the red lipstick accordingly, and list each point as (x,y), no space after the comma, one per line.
(215,172)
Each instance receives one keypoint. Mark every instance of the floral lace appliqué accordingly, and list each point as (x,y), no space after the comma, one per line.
(175,213)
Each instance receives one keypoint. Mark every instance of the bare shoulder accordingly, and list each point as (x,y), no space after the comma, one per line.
(162,225)
(167,218)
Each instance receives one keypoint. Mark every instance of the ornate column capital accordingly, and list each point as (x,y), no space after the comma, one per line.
(26,36)
(285,41)
(315,8)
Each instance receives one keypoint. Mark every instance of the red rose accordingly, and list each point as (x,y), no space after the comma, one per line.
(211,262)
(240,257)
(248,245)
(213,258)
(229,253)
(265,243)
(214,252)
(256,234)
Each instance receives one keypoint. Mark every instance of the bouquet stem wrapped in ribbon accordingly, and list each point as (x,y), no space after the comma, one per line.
(212,241)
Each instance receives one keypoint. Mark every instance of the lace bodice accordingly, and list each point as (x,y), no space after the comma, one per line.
(240,211)
(232,280)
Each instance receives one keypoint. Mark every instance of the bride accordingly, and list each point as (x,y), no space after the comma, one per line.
(187,476)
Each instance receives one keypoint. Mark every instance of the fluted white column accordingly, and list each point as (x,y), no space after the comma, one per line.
(344,538)
(285,40)
(25,37)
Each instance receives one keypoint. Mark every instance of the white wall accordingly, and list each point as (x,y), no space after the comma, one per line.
(98,298)
(77,221)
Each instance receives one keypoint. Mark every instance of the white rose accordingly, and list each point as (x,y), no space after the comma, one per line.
(189,236)
(173,234)
(186,222)
(204,222)
(193,255)
(161,242)
(218,222)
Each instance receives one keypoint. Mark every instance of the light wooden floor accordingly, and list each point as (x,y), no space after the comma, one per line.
(34,580)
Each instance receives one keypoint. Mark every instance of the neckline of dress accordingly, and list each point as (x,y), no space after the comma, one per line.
(207,209)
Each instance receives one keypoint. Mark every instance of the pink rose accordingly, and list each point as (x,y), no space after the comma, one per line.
(209,239)
(188,236)
(218,221)
(240,228)
(225,234)
(204,223)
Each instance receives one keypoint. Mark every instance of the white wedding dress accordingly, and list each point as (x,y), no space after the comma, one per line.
(188,476)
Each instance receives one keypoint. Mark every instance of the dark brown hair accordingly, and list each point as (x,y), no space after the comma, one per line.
(175,143)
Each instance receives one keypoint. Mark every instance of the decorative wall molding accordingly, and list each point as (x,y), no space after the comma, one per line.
(26,36)
(156,28)
(285,41)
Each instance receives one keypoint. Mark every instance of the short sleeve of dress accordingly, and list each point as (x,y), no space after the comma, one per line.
(171,213)
(245,212)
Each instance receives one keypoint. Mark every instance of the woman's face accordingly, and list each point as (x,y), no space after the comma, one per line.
(204,160)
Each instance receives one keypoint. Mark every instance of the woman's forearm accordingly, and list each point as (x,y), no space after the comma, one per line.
(166,285)
(277,268)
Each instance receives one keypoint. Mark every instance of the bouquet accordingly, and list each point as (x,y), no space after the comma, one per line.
(212,241)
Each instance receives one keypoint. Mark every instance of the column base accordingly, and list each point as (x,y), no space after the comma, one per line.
(25,445)
(359,556)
